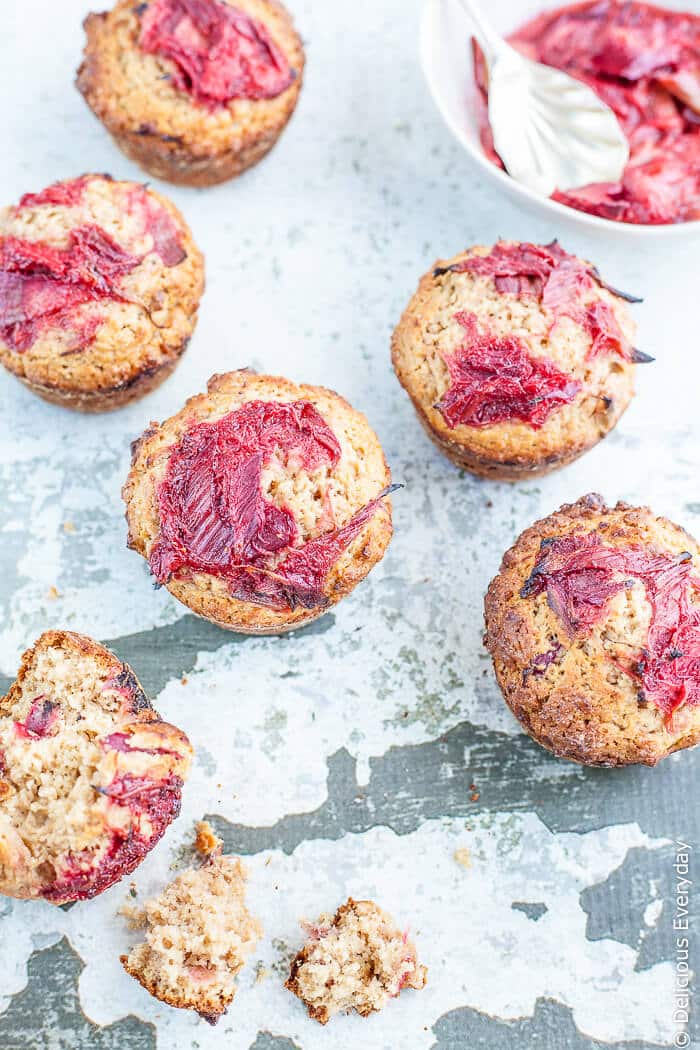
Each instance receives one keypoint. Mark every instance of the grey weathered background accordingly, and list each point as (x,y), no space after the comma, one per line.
(342,759)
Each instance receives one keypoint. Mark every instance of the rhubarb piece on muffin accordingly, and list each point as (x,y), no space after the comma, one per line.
(100,282)
(593,624)
(261,503)
(195,91)
(90,777)
(199,934)
(518,358)
(357,959)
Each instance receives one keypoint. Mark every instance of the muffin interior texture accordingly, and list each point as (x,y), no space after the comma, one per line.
(79,776)
(545,299)
(198,934)
(355,960)
(219,52)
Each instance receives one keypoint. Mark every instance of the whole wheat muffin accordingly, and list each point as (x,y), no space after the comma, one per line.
(100,282)
(195,91)
(90,777)
(357,959)
(198,935)
(261,503)
(518,358)
(593,623)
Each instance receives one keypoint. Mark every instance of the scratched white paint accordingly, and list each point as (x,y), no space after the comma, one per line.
(480,952)
(311,258)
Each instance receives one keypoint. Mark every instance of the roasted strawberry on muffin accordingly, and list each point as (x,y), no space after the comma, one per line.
(518,358)
(357,959)
(593,624)
(100,282)
(261,503)
(198,934)
(90,777)
(195,91)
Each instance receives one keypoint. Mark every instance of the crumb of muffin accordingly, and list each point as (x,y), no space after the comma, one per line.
(198,935)
(357,959)
(90,777)
(207,842)
(591,624)
(517,358)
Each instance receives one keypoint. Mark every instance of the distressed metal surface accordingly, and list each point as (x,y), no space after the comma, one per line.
(341,759)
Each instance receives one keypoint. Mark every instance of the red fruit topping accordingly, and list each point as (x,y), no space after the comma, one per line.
(557,280)
(540,663)
(580,575)
(159,223)
(215,519)
(122,742)
(41,720)
(643,61)
(41,285)
(66,194)
(495,380)
(157,802)
(220,52)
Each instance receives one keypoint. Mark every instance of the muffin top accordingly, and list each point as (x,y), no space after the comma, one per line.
(593,623)
(199,72)
(90,777)
(99,282)
(261,502)
(519,349)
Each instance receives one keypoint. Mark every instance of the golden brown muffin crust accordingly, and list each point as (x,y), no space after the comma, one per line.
(138,341)
(58,770)
(159,126)
(582,706)
(359,477)
(357,959)
(510,450)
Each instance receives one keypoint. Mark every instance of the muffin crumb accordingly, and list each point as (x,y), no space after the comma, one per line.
(355,960)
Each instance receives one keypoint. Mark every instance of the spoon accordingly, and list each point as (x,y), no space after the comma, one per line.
(551,131)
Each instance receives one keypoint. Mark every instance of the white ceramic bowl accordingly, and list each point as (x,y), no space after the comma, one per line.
(446,57)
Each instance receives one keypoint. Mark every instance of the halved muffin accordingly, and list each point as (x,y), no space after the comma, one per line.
(261,503)
(593,624)
(518,358)
(356,959)
(100,283)
(199,934)
(195,91)
(90,777)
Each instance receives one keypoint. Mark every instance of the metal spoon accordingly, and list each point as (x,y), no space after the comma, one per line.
(551,131)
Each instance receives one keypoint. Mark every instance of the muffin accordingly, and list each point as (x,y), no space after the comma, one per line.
(261,503)
(593,624)
(90,777)
(195,91)
(100,283)
(518,358)
(198,936)
(357,959)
